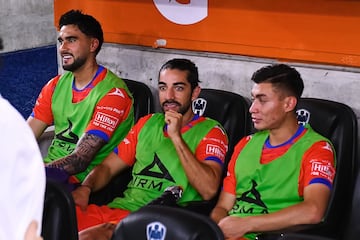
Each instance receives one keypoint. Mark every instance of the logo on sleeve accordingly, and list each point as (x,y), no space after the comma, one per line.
(117,92)
(214,150)
(321,169)
(105,120)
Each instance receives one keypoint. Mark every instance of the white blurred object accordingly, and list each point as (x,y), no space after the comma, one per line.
(160,43)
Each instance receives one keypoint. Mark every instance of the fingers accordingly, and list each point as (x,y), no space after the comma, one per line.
(102,231)
(31,231)
(109,226)
(172,117)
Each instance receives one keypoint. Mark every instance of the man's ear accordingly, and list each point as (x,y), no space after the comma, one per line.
(290,103)
(195,93)
(94,44)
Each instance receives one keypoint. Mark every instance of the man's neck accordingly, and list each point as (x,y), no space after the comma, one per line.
(84,75)
(187,117)
(284,133)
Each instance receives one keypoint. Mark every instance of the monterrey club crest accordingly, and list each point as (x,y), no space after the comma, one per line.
(303,116)
(199,106)
(155,231)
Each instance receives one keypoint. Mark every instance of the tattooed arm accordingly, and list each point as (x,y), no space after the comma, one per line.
(83,154)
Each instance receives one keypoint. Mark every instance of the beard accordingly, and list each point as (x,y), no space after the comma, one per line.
(78,62)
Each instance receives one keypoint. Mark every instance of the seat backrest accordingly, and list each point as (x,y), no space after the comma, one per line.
(167,223)
(352,231)
(353,227)
(338,123)
(143,105)
(59,215)
(229,109)
(143,98)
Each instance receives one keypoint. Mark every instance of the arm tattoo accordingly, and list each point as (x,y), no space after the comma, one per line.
(79,160)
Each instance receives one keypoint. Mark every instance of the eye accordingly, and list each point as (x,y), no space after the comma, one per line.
(72,40)
(162,88)
(262,100)
(179,88)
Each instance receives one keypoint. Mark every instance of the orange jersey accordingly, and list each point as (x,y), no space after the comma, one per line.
(215,138)
(317,164)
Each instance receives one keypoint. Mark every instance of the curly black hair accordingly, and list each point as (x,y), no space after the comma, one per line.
(86,23)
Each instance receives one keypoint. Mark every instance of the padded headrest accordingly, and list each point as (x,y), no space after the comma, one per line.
(229,109)
(334,120)
(143,98)
(167,223)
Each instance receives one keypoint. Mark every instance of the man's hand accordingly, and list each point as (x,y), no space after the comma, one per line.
(81,196)
(173,120)
(31,231)
(102,231)
(233,227)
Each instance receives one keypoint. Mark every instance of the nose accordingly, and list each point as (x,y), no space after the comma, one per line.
(253,107)
(170,94)
(62,46)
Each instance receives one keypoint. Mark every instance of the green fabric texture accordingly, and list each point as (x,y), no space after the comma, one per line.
(268,188)
(158,166)
(71,119)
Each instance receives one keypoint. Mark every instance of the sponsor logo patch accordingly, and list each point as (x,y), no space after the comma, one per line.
(322,169)
(105,119)
(215,150)
(117,92)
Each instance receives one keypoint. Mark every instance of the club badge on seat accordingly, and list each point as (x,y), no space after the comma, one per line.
(155,231)
(199,106)
(303,116)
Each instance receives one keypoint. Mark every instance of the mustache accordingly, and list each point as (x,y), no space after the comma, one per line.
(171,102)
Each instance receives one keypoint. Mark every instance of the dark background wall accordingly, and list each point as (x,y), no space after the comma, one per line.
(24,73)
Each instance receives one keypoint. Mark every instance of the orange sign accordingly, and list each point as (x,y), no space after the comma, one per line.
(319,31)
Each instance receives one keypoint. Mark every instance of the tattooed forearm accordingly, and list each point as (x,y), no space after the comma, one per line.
(83,154)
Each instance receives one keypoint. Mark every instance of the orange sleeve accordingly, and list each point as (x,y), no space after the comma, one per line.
(213,146)
(229,183)
(115,105)
(318,166)
(127,148)
(42,109)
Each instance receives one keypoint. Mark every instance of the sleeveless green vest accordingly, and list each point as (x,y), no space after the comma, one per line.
(267,188)
(71,119)
(158,166)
